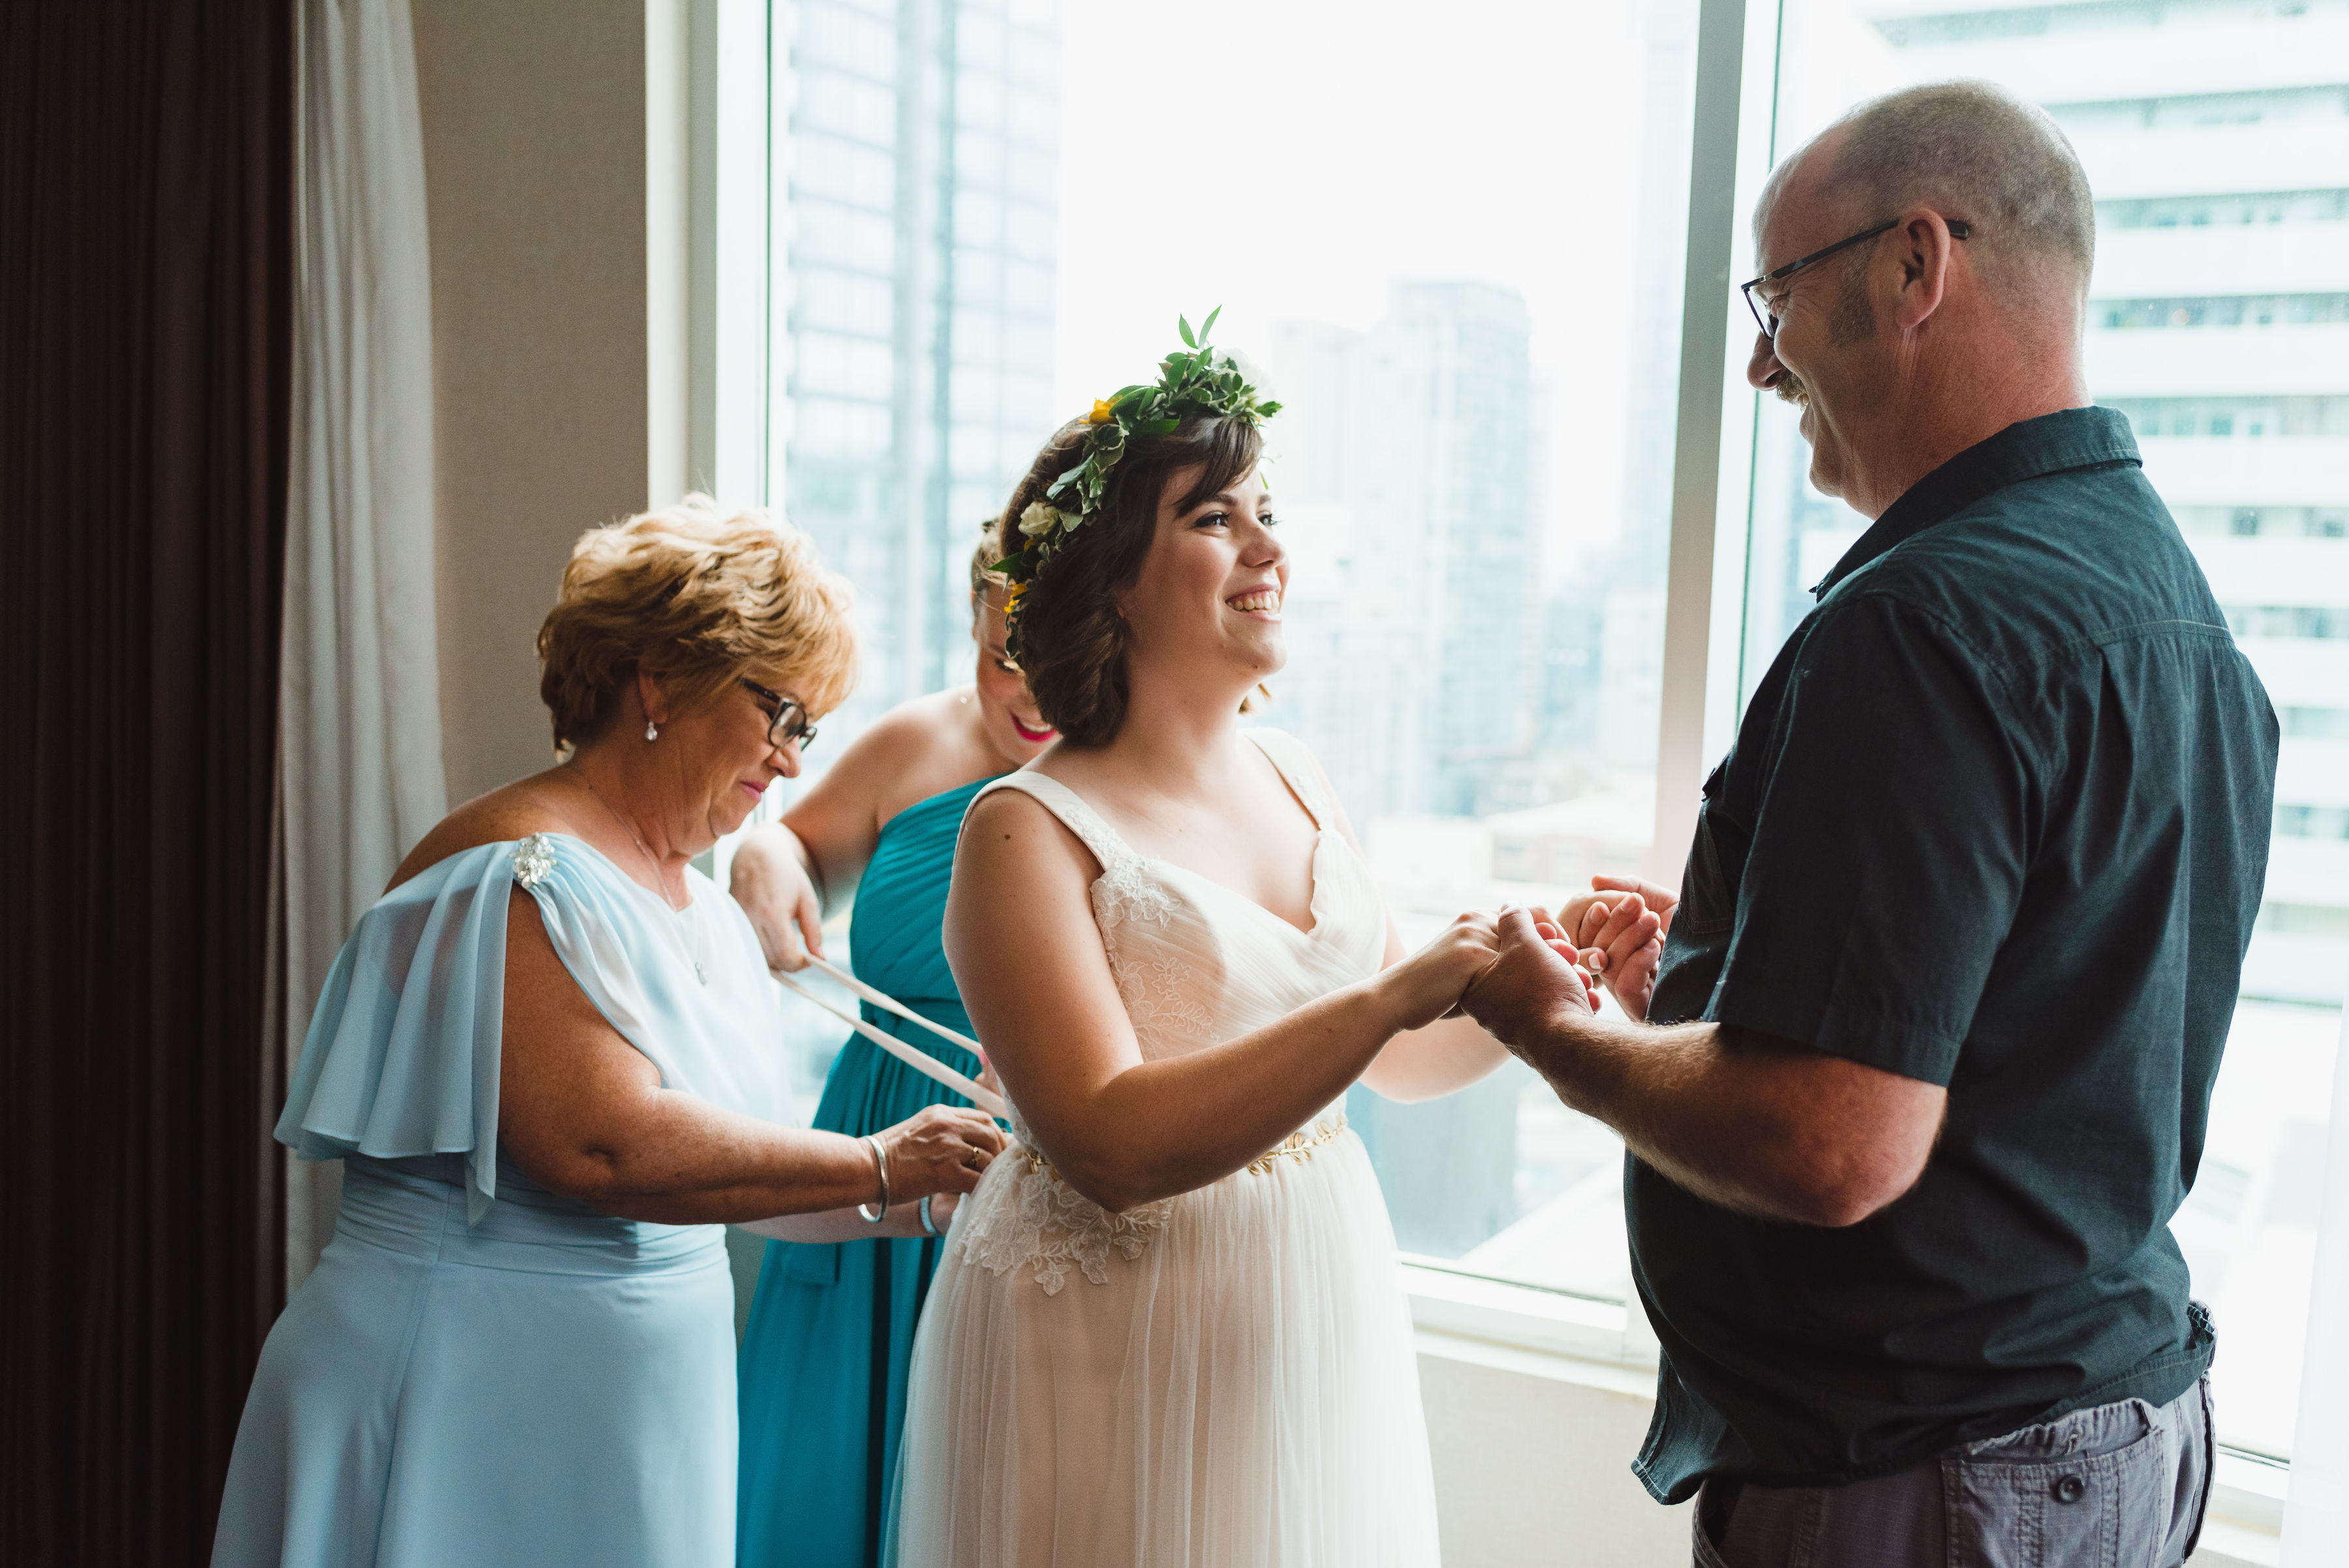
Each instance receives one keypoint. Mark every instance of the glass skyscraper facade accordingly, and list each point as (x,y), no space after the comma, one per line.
(1422,686)
(917,300)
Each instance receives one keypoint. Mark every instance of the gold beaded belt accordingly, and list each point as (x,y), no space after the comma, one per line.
(1297,1145)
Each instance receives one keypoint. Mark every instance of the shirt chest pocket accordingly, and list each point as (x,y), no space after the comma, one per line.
(1716,862)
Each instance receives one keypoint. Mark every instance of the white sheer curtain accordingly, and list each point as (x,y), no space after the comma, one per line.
(360,692)
(2316,1508)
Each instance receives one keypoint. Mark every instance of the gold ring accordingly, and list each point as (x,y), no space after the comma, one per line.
(970,1158)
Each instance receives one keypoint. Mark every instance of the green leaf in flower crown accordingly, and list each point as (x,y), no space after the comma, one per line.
(1209,324)
(1267,410)
(1165,427)
(1184,327)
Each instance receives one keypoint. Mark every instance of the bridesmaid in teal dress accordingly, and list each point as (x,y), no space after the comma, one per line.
(821,1373)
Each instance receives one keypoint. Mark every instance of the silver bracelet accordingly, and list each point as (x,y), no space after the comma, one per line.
(865,1212)
(929,1226)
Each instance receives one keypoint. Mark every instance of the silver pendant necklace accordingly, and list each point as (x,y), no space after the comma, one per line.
(693,931)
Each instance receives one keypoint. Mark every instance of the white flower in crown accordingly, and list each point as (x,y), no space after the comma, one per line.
(1042,517)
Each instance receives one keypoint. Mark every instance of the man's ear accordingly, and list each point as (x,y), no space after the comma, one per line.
(1926,252)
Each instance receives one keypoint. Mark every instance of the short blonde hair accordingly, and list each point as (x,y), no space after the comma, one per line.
(697,597)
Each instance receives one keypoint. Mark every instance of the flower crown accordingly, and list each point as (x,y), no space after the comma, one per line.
(1189,385)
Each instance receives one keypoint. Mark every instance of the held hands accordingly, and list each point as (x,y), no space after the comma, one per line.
(940,1148)
(1426,986)
(772,885)
(1617,933)
(1534,978)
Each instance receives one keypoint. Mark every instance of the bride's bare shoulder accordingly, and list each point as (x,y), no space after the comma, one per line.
(511,811)
(1008,830)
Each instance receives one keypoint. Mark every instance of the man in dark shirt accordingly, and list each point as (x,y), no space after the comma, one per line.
(1928,1054)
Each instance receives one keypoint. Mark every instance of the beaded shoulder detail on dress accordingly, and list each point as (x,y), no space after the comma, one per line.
(534,860)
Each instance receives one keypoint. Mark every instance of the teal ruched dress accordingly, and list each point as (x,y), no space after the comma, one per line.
(821,1373)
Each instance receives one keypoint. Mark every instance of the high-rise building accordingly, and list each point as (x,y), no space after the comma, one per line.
(2216,140)
(1455,501)
(922,231)
(1630,575)
(1412,450)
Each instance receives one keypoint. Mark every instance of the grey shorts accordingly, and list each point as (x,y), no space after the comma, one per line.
(2117,1486)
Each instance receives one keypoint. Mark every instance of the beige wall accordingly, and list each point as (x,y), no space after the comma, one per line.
(535,167)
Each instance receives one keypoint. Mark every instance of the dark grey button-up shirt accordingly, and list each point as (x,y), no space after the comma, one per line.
(1996,819)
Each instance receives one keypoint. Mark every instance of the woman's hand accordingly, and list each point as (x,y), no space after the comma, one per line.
(1427,985)
(1620,935)
(940,1148)
(770,881)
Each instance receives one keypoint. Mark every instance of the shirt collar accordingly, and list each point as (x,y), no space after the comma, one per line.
(2029,449)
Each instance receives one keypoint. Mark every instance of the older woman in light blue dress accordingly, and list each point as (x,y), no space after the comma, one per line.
(546,1058)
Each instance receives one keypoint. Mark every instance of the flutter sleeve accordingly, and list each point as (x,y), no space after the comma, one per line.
(402,1055)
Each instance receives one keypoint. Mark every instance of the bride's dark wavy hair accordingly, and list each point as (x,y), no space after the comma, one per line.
(1072,641)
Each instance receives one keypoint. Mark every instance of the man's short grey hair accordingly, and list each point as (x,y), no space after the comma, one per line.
(1971,150)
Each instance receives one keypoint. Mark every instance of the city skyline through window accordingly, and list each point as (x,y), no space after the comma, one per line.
(1457,253)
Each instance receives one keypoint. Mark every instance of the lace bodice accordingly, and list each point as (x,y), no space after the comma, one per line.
(1195,965)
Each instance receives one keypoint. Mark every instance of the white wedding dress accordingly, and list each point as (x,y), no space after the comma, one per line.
(1222,1379)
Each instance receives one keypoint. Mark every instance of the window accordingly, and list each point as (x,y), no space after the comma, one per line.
(1471,472)
(2219,291)
(1476,313)
(1474,472)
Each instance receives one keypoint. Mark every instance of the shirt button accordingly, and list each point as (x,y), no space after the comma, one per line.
(2070,1489)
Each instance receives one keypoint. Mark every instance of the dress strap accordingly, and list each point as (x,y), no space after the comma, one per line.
(1295,764)
(1074,814)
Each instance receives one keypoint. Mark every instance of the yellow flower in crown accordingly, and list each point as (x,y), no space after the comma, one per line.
(1103,413)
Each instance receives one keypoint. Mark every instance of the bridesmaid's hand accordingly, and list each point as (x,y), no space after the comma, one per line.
(940,1148)
(770,879)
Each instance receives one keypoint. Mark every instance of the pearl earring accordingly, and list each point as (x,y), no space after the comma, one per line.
(652,731)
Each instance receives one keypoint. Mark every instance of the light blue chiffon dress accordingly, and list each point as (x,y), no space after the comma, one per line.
(480,1371)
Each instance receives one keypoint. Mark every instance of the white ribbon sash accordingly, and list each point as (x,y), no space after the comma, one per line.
(922,1061)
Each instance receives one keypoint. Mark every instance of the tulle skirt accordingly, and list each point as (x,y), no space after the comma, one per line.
(1226,1380)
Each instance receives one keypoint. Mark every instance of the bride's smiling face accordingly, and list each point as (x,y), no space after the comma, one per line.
(1209,592)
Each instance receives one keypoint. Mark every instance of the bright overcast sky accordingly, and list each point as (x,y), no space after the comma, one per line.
(1286,159)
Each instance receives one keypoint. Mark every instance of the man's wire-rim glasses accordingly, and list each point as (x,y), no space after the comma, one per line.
(1768,320)
(787,720)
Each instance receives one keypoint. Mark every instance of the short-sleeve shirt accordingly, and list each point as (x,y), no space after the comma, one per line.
(1996,819)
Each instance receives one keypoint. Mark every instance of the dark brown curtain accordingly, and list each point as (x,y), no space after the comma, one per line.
(145,286)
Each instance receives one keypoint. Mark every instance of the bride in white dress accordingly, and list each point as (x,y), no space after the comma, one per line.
(1168,1327)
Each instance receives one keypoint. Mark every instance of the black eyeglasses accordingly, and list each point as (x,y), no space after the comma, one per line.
(787,720)
(1768,321)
